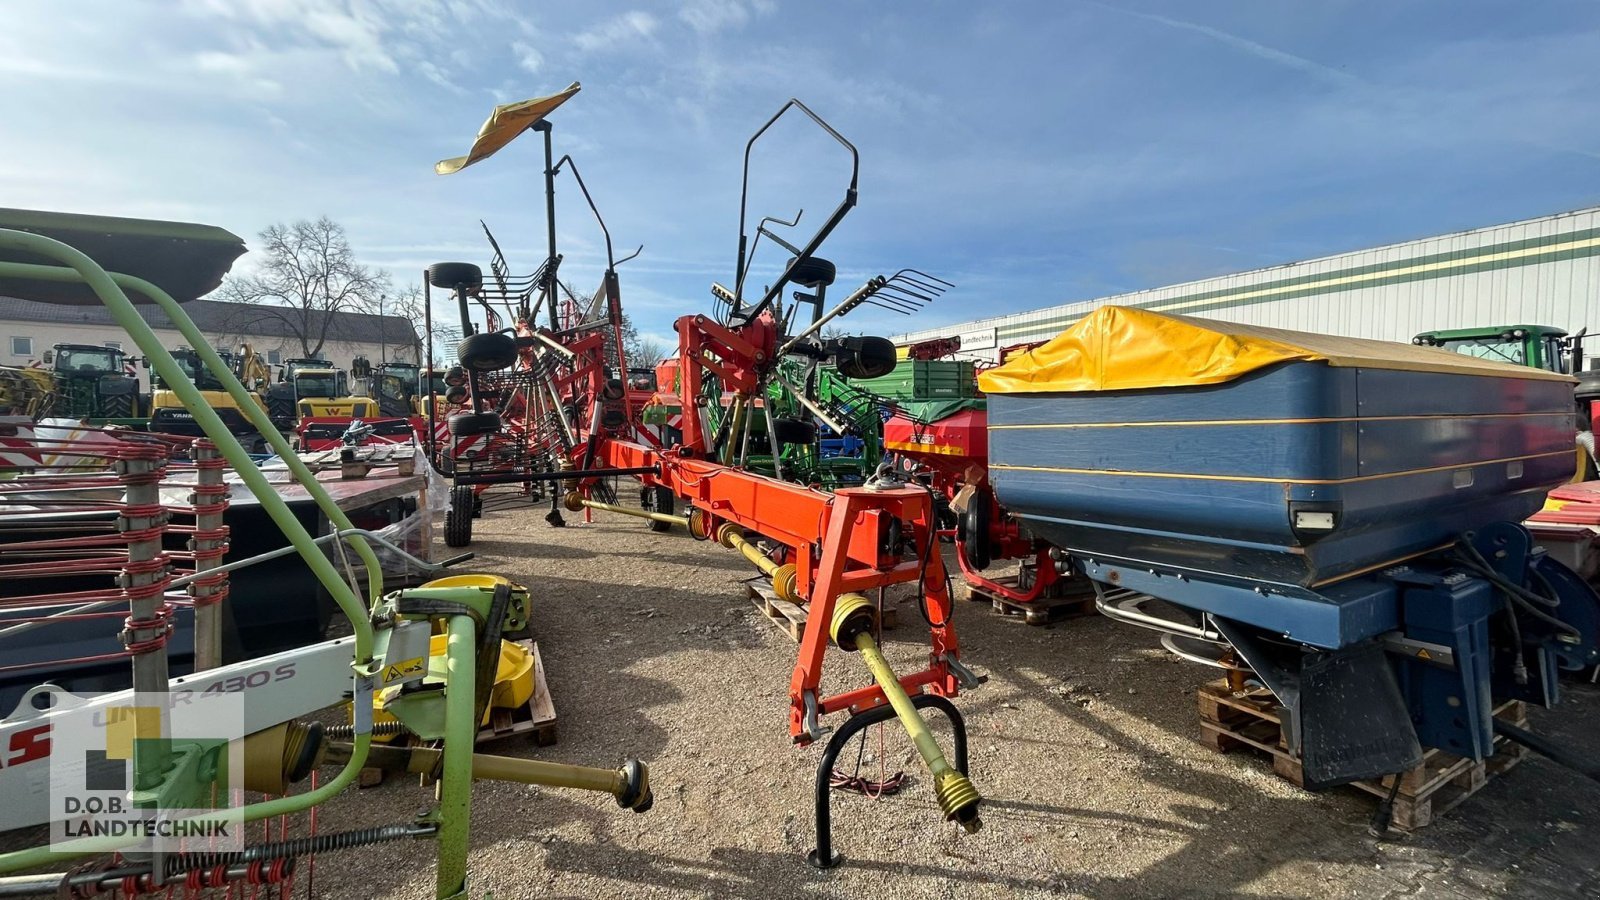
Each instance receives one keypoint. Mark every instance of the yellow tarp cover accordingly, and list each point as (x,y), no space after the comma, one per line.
(503,126)
(1121,348)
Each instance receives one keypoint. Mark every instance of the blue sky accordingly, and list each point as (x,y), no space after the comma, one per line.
(1032,152)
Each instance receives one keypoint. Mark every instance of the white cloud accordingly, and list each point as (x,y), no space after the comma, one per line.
(628,27)
(711,16)
(219,63)
(528,58)
(1260,51)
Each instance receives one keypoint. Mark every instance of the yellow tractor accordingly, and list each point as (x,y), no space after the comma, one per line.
(324,393)
(169,416)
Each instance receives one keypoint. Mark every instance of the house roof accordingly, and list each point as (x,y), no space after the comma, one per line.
(217,317)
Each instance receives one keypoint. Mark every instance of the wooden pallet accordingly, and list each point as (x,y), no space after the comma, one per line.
(536,718)
(1073,599)
(790,617)
(1229,721)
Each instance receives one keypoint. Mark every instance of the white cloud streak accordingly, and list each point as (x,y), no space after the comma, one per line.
(617,31)
(1273,55)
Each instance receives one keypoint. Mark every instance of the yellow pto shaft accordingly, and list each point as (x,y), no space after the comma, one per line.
(576,502)
(854,619)
(629,783)
(783,577)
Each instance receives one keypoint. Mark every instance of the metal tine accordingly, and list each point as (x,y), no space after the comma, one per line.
(900,310)
(913,274)
(904,298)
(901,292)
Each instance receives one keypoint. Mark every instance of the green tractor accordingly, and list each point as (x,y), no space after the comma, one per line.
(1537,346)
(92,384)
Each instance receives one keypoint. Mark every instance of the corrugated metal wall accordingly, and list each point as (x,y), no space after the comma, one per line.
(1543,271)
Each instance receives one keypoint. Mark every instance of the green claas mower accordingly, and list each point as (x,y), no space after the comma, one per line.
(170,808)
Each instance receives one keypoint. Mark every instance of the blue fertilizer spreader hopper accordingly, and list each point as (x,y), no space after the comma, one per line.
(1340,517)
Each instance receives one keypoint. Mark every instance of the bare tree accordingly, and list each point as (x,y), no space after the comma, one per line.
(408,303)
(642,352)
(308,273)
(646,352)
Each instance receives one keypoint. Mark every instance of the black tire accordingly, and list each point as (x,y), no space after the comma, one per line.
(280,403)
(487,352)
(458,518)
(793,431)
(451,275)
(472,424)
(973,531)
(658,499)
(116,406)
(813,271)
(864,357)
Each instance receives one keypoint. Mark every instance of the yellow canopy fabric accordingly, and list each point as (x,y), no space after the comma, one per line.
(1123,348)
(503,126)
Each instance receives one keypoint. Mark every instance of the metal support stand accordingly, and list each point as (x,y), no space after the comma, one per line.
(145,579)
(208,544)
(824,856)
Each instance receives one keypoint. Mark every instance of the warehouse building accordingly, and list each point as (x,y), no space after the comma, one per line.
(29,328)
(1543,271)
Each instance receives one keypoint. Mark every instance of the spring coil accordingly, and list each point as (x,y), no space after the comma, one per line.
(301,846)
(379,729)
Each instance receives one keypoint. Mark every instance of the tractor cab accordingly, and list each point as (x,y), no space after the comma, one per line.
(1535,346)
(92,383)
(397,387)
(325,392)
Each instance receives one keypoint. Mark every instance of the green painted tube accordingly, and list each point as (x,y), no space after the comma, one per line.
(84,269)
(455,795)
(212,425)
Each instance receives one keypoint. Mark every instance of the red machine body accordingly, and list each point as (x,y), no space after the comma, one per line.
(854,540)
(953,453)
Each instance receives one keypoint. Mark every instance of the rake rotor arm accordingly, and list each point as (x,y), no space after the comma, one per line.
(738,314)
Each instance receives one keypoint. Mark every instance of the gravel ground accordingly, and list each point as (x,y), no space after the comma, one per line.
(1083,745)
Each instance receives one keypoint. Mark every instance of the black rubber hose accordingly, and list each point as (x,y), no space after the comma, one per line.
(1383,816)
(1516,592)
(1583,765)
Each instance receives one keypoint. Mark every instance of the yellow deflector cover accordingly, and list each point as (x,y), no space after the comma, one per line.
(503,126)
(1121,348)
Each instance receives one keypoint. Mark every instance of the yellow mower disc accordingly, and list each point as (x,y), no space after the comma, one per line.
(513,680)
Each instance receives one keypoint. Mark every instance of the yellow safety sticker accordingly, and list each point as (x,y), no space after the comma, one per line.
(407,668)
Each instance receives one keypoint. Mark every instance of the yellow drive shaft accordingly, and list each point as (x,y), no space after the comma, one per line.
(854,619)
